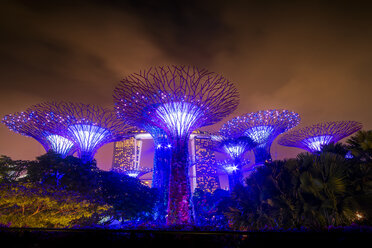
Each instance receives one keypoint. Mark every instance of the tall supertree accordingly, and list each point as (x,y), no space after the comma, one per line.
(88,126)
(262,127)
(312,138)
(235,148)
(29,123)
(178,100)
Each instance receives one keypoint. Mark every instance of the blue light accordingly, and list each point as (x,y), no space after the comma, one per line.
(230,168)
(234,151)
(179,116)
(133,173)
(260,134)
(60,144)
(89,137)
(316,143)
(349,155)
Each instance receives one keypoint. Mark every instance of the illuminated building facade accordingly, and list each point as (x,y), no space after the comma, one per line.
(202,174)
(127,153)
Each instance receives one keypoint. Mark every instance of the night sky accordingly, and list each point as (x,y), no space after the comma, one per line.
(313,57)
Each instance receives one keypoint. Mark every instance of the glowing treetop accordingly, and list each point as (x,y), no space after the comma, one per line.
(178,100)
(312,138)
(88,126)
(28,123)
(234,147)
(262,127)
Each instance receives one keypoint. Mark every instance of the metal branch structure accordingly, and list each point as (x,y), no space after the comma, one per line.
(88,126)
(28,124)
(262,127)
(312,138)
(178,100)
(235,148)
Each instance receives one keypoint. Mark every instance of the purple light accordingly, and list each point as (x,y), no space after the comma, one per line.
(89,137)
(178,100)
(311,138)
(260,134)
(179,117)
(316,143)
(87,126)
(235,151)
(60,144)
(262,127)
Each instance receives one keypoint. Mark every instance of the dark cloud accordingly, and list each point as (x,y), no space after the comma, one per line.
(312,57)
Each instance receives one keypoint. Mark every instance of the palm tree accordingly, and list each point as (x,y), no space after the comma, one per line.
(360,145)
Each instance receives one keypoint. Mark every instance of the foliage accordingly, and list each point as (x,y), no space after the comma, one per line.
(313,191)
(128,196)
(68,173)
(360,146)
(209,208)
(11,170)
(32,205)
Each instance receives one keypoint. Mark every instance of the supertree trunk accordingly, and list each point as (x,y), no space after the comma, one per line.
(160,179)
(179,209)
(235,178)
(262,153)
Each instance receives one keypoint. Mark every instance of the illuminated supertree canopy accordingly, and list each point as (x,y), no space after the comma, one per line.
(88,126)
(178,100)
(235,148)
(28,123)
(262,127)
(312,138)
(133,171)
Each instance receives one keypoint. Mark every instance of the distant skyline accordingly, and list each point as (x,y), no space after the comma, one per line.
(310,57)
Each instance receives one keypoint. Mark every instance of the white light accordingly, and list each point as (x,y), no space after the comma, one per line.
(234,151)
(60,144)
(316,143)
(132,174)
(259,134)
(88,136)
(230,168)
(179,116)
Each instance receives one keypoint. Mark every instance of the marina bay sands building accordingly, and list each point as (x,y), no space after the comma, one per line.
(127,154)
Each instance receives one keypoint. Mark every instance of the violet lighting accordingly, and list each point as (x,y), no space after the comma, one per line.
(177,100)
(60,144)
(312,138)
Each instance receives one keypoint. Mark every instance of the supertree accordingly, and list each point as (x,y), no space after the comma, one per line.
(133,171)
(312,138)
(262,127)
(176,99)
(88,126)
(235,148)
(28,123)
